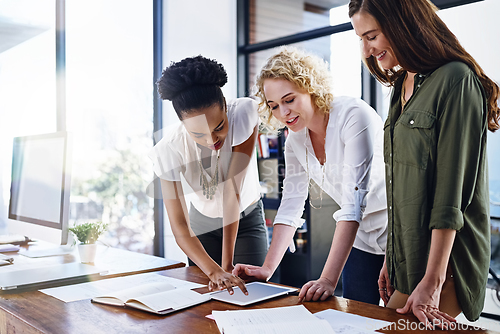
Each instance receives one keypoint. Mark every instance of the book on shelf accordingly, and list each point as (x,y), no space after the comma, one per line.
(263,145)
(157,297)
(267,146)
(273,146)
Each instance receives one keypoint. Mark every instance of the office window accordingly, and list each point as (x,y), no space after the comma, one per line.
(109,70)
(346,70)
(319,46)
(475,25)
(27,83)
(477,36)
(345,58)
(279,18)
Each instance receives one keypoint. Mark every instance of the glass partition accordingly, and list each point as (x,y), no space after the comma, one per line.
(475,25)
(279,18)
(110,112)
(27,80)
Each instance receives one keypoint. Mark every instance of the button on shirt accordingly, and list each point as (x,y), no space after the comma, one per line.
(177,154)
(354,172)
(435,154)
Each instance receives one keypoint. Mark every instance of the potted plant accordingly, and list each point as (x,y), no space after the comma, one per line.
(87,234)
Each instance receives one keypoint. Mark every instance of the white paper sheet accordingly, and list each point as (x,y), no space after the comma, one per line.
(286,320)
(342,322)
(90,290)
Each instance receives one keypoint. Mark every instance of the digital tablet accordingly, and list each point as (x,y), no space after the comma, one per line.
(257,291)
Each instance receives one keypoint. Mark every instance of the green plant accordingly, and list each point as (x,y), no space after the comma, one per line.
(87,233)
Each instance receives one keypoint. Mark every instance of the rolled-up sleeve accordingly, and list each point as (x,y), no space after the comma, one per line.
(358,137)
(461,126)
(294,193)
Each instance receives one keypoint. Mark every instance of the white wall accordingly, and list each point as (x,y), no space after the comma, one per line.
(200,27)
(191,28)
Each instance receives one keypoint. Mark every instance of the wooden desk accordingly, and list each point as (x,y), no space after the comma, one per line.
(117,262)
(35,312)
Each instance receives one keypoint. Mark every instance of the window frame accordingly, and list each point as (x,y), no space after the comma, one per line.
(369,90)
(158,241)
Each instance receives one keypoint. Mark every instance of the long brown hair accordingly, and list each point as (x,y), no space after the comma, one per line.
(421,42)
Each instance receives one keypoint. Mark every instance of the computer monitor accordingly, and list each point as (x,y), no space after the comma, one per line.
(40,186)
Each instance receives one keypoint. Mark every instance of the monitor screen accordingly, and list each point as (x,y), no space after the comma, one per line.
(40,183)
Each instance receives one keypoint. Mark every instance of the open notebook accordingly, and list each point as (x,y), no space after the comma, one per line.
(163,298)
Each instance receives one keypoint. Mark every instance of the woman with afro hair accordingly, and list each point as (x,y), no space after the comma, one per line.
(208,159)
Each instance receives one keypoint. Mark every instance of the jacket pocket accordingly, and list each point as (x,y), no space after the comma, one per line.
(413,134)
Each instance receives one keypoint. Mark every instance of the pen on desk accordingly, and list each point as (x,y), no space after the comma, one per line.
(4,263)
(6,258)
(294,293)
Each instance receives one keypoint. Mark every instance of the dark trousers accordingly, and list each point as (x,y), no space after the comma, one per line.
(360,276)
(251,241)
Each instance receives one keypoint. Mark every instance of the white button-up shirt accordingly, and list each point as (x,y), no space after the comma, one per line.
(177,154)
(353,172)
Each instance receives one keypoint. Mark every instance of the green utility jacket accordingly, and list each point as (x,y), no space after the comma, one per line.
(437,178)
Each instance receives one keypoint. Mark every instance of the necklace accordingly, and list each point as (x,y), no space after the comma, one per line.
(322,181)
(209,188)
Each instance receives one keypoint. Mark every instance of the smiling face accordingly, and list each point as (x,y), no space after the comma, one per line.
(290,104)
(207,126)
(373,42)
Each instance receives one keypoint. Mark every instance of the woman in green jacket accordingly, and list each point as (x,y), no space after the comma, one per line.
(442,104)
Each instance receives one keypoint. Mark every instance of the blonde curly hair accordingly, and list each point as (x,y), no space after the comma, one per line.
(307,71)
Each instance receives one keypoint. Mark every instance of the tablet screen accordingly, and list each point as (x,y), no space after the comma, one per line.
(257,291)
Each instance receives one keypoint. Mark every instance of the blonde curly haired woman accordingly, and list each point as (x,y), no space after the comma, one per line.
(337,142)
